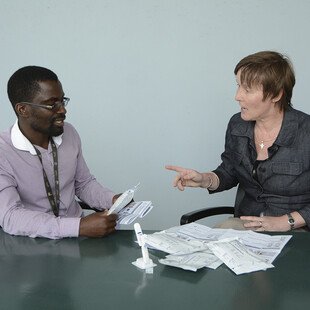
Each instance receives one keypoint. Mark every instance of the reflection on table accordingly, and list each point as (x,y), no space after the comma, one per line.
(86,273)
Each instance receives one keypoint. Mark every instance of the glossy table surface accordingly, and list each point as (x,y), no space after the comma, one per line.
(97,274)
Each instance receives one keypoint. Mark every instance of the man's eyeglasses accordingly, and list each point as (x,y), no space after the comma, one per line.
(52,107)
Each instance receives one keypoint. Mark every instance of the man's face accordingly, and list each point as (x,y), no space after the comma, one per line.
(48,122)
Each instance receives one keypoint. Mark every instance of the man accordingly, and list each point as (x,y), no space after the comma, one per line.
(42,168)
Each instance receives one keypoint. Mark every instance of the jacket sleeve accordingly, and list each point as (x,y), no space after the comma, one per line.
(225,171)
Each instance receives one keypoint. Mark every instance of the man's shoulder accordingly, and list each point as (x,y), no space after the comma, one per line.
(69,126)
(5,139)
(7,151)
(70,135)
(69,130)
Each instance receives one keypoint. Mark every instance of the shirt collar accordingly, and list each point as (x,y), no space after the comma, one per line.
(22,143)
(287,132)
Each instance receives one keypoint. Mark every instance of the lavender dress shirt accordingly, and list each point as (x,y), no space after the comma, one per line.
(24,207)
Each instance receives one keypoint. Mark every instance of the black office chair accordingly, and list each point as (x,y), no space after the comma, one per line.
(206,212)
(85,206)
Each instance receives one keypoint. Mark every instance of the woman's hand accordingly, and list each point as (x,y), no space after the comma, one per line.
(189,178)
(266,223)
(273,223)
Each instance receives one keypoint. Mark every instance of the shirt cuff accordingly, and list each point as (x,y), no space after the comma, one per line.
(69,227)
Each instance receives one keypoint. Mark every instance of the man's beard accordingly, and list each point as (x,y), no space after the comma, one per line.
(52,130)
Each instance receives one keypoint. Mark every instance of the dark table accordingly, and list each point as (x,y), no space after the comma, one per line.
(81,273)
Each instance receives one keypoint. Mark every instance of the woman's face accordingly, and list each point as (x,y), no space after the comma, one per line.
(250,99)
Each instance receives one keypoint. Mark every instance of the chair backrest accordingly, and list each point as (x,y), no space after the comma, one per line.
(84,205)
(239,197)
(206,212)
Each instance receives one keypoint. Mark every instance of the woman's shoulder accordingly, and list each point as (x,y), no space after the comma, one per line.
(237,120)
(300,116)
(300,113)
(238,126)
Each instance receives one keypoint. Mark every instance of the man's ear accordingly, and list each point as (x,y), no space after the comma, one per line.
(21,110)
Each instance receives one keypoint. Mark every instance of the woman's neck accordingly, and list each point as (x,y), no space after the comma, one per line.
(271,124)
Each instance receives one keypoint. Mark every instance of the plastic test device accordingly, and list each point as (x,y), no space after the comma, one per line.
(123,200)
(144,262)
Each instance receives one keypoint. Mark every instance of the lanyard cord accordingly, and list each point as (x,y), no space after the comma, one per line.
(54,201)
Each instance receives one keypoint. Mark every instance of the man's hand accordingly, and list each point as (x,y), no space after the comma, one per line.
(115,197)
(97,224)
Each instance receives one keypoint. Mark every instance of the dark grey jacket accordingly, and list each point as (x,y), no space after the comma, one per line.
(282,183)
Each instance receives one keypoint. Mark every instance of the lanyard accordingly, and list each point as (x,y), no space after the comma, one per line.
(54,201)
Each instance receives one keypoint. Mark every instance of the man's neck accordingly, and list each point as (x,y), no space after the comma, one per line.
(43,142)
(35,137)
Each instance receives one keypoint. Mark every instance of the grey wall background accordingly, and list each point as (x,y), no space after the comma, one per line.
(151,82)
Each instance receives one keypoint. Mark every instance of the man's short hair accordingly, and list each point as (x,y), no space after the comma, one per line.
(23,84)
(273,71)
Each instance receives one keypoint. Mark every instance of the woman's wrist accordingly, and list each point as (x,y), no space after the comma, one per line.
(298,220)
(210,181)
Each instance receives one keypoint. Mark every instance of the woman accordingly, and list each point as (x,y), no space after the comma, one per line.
(267,149)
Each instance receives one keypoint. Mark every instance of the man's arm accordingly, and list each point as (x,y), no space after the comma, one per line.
(15,219)
(87,188)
